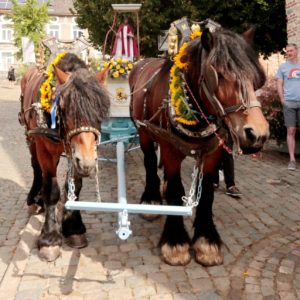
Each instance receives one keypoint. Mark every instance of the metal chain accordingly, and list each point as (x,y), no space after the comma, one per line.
(199,191)
(191,200)
(71,184)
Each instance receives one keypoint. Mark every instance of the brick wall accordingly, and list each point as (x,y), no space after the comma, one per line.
(272,63)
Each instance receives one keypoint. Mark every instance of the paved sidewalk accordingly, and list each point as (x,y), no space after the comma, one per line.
(261,234)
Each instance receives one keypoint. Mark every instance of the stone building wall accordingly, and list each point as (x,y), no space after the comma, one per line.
(292,8)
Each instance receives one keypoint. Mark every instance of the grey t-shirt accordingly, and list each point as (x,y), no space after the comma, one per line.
(290,74)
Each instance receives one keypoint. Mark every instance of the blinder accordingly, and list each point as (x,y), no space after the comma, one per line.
(211,78)
(209,83)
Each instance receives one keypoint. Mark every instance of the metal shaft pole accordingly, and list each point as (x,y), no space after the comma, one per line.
(123,231)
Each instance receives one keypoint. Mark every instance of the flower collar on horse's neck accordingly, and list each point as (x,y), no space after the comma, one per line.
(48,87)
(184,114)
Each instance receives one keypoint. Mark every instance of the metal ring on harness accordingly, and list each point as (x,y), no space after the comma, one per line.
(76,131)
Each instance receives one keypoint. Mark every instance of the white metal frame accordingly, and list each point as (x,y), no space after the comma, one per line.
(122,207)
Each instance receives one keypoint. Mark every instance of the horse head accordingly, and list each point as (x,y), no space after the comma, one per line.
(83,104)
(228,72)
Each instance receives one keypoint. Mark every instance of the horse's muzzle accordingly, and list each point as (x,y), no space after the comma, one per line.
(84,168)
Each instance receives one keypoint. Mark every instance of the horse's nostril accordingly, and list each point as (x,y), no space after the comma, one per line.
(250,134)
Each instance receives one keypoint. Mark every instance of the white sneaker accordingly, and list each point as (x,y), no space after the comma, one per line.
(292,165)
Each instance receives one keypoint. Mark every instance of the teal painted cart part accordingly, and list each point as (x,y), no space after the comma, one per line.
(122,132)
(117,128)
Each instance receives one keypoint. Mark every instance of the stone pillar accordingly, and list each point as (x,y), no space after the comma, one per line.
(292,8)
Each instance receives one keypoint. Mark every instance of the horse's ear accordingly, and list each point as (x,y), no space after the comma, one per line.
(61,76)
(249,35)
(207,39)
(102,75)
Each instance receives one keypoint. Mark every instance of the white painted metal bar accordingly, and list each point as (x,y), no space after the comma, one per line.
(123,231)
(122,207)
(131,208)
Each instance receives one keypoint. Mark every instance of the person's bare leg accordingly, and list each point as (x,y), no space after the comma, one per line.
(291,131)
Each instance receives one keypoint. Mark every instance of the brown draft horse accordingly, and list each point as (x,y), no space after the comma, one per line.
(222,75)
(83,104)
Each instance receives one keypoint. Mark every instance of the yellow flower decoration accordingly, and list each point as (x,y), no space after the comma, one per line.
(180,60)
(179,99)
(46,88)
(195,34)
(118,67)
(116,74)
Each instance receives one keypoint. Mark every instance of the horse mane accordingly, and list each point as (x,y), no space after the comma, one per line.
(231,56)
(70,63)
(85,100)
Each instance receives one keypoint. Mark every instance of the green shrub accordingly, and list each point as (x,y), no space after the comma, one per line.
(272,109)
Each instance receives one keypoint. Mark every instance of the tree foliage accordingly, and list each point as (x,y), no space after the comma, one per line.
(156,15)
(29,20)
(268,16)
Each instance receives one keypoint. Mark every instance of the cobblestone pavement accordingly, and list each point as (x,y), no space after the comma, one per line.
(261,234)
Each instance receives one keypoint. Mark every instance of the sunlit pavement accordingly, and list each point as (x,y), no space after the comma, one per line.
(260,231)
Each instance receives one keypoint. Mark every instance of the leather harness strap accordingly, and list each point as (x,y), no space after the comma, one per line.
(216,104)
(49,133)
(78,130)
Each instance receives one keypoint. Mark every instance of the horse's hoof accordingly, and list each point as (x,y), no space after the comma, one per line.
(49,253)
(35,209)
(150,217)
(177,255)
(207,254)
(76,241)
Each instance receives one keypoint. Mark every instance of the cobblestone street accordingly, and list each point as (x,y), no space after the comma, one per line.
(260,231)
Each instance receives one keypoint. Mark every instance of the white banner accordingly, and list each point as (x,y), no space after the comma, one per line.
(28,51)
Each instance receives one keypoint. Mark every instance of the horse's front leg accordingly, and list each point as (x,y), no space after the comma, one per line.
(206,241)
(34,198)
(151,194)
(73,228)
(50,239)
(175,241)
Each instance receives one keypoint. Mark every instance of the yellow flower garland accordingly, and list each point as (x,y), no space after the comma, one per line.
(46,88)
(183,112)
(118,67)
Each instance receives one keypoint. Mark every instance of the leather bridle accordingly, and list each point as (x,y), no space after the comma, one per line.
(208,85)
(70,134)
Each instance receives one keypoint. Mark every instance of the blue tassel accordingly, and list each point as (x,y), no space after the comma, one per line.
(54,109)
